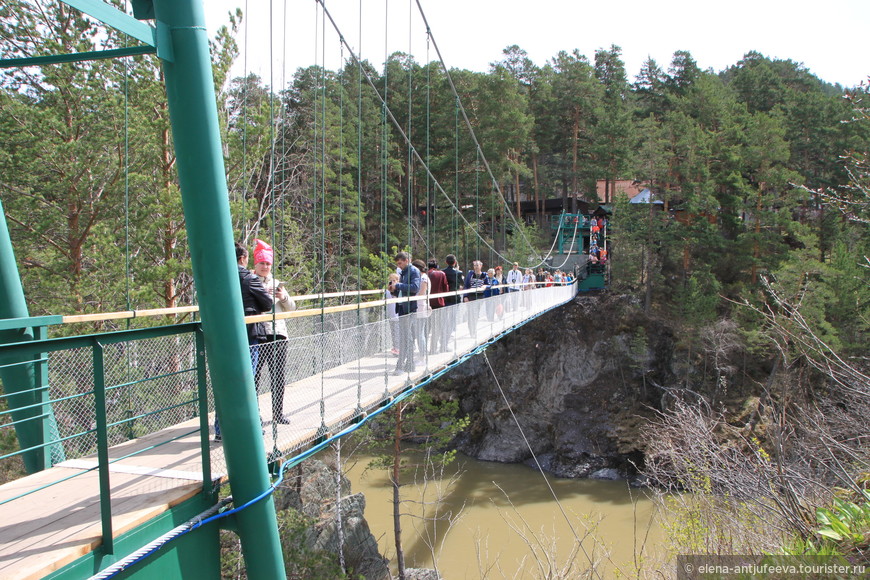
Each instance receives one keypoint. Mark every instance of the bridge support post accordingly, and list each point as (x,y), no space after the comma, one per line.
(196,135)
(26,385)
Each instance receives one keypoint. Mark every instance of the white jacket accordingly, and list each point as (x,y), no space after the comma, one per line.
(514,277)
(279,328)
(424,309)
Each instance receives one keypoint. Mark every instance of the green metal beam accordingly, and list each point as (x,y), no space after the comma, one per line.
(24,384)
(113,17)
(76,56)
(197,138)
(29,322)
(194,555)
(108,543)
(143,9)
(31,349)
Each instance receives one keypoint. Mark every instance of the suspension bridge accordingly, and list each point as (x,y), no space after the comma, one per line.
(115,428)
(131,435)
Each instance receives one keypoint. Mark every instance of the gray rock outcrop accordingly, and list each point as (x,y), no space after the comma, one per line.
(311,490)
(579,380)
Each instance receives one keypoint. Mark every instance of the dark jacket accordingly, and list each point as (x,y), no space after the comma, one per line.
(454,283)
(492,288)
(479,281)
(408,285)
(255,300)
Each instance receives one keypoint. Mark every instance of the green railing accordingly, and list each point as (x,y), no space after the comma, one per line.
(97,391)
(568,220)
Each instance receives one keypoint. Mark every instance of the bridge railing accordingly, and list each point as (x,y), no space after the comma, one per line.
(104,398)
(101,391)
(342,365)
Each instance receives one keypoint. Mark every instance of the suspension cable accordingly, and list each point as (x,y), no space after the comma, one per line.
(359,164)
(384,159)
(465,116)
(387,113)
(245,81)
(538,464)
(430,209)
(323,212)
(409,174)
(340,86)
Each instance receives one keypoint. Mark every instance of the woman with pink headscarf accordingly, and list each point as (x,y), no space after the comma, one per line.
(273,350)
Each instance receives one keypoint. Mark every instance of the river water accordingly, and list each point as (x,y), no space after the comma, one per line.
(501,521)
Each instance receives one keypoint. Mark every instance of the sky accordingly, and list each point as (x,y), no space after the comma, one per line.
(829,37)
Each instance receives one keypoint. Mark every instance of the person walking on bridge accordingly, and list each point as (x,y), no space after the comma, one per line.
(438,283)
(255,300)
(407,286)
(528,286)
(513,280)
(475,279)
(493,280)
(454,284)
(424,310)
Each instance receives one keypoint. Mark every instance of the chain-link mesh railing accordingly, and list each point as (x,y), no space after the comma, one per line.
(149,385)
(334,367)
(131,397)
(116,407)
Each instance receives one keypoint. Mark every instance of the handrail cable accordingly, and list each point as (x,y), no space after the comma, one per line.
(78,318)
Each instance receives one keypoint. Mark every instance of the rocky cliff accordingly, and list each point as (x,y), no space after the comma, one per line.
(579,380)
(310,490)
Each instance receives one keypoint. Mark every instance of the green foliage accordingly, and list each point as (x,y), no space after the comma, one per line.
(843,530)
(698,298)
(379,267)
(299,560)
(428,426)
(433,423)
(846,522)
(317,168)
(702,523)
(13,468)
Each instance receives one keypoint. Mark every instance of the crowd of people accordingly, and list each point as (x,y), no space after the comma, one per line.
(412,327)
(597,253)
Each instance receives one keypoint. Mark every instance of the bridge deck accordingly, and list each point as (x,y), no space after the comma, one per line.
(54,526)
(60,520)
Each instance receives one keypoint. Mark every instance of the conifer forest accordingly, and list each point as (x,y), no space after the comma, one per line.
(758,256)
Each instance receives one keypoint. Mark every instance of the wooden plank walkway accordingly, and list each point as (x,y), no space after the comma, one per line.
(56,524)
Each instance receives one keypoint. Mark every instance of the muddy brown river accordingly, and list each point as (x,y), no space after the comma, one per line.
(493,520)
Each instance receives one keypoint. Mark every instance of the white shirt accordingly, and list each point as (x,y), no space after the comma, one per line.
(424,309)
